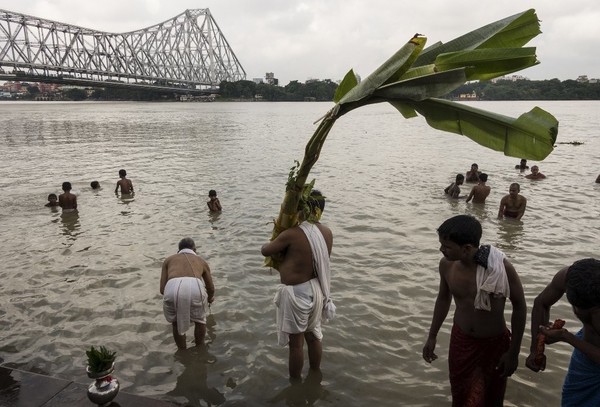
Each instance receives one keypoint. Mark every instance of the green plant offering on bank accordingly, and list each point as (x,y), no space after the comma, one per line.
(100,360)
(414,79)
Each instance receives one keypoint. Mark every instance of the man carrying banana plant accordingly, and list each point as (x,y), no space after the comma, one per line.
(303,298)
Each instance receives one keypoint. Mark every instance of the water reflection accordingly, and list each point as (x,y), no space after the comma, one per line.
(213,217)
(303,393)
(70,224)
(192,382)
(510,231)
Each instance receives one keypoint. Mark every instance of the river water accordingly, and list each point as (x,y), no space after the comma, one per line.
(75,281)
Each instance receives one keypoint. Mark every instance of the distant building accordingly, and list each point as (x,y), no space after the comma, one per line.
(271,79)
(512,78)
(257,80)
(582,79)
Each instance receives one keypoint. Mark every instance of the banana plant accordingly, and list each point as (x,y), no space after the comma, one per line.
(413,80)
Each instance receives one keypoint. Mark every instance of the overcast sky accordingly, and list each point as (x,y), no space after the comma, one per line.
(323,39)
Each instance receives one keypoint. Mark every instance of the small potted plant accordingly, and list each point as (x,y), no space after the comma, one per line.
(100,365)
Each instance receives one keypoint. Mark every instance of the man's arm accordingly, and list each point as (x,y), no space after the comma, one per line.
(540,314)
(208,282)
(502,206)
(163,277)
(75,202)
(563,335)
(471,194)
(440,311)
(510,360)
(117,187)
(522,208)
(277,246)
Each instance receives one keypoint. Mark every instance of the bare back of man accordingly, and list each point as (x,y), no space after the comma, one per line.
(296,265)
(67,201)
(479,193)
(126,186)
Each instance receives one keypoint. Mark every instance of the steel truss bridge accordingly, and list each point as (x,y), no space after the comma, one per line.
(186,54)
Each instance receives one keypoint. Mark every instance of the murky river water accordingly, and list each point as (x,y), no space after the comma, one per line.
(72,282)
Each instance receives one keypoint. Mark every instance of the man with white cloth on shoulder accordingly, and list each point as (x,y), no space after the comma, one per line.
(187,288)
(303,299)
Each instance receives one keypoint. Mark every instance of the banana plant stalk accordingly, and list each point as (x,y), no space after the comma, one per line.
(413,80)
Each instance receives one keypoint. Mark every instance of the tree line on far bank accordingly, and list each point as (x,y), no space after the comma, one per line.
(552,89)
(317,90)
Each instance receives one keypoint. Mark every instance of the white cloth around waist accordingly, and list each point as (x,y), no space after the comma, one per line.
(185,301)
(298,310)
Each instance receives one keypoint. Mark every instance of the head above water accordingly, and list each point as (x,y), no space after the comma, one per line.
(66,186)
(535,168)
(52,197)
(95,184)
(583,283)
(460,178)
(187,243)
(523,162)
(514,188)
(122,173)
(474,166)
(461,229)
(212,193)
(483,177)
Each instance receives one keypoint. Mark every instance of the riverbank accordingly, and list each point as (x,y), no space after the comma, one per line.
(21,388)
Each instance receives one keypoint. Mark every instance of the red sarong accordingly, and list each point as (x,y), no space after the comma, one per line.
(474,380)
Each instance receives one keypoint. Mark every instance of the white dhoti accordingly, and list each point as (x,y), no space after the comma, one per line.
(299,310)
(185,301)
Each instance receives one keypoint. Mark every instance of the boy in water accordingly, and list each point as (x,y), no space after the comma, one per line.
(52,200)
(125,184)
(580,281)
(67,201)
(522,166)
(95,185)
(480,191)
(473,173)
(482,353)
(513,205)
(213,204)
(453,189)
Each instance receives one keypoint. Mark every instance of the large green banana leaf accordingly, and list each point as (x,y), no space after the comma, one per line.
(415,76)
(532,135)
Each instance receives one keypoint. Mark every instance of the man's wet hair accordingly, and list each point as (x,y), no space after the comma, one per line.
(212,192)
(460,177)
(50,196)
(483,177)
(95,184)
(122,173)
(461,229)
(583,283)
(66,186)
(187,243)
(316,200)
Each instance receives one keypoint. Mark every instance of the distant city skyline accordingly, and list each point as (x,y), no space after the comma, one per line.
(323,40)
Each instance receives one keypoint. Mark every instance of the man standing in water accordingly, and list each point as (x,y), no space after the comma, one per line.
(482,353)
(512,205)
(303,299)
(125,184)
(581,283)
(187,288)
(67,201)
